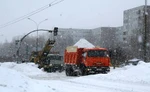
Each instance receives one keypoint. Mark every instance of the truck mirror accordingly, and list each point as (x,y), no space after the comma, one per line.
(55,31)
(84,55)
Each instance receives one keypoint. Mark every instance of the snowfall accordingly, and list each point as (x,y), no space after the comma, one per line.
(26,77)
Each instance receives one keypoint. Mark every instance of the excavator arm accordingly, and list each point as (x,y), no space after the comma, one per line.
(43,54)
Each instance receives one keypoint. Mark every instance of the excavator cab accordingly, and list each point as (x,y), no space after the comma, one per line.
(33,55)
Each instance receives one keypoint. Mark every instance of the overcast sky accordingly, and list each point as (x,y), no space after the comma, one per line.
(86,14)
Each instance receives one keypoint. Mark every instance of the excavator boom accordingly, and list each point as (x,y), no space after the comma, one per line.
(43,54)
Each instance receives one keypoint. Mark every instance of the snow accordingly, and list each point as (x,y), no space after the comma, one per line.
(140,39)
(83,43)
(134,60)
(26,77)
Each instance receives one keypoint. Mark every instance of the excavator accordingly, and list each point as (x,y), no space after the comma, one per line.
(40,57)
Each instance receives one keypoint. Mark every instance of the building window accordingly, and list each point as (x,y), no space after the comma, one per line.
(124,39)
(124,33)
(139,12)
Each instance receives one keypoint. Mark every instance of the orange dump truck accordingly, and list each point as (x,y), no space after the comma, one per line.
(83,61)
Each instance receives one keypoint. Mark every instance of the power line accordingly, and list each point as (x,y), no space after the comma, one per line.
(20,18)
(31,13)
(27,15)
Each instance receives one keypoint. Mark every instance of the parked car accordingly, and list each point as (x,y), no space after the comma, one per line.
(134,61)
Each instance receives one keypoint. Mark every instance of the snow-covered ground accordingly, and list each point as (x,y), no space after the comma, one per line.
(26,77)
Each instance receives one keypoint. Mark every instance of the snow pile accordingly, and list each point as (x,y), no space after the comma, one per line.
(135,74)
(28,78)
(28,69)
(13,78)
(13,81)
(127,79)
(82,43)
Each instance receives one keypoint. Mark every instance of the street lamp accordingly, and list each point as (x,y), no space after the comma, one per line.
(37,27)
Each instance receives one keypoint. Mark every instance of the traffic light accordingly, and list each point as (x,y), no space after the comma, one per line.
(16,42)
(55,31)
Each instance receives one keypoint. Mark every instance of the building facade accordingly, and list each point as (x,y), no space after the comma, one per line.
(136,32)
(133,37)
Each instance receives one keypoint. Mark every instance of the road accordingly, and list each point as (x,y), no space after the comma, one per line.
(91,83)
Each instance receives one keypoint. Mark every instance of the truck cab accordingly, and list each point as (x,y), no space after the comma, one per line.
(54,62)
(96,59)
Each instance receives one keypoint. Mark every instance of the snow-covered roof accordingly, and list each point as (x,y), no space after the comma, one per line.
(83,43)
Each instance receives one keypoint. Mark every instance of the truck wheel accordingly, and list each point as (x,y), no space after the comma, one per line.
(49,70)
(86,73)
(54,70)
(45,69)
(39,67)
(83,70)
(104,72)
(79,73)
(62,69)
(67,72)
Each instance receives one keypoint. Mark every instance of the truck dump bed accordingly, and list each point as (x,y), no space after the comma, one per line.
(73,55)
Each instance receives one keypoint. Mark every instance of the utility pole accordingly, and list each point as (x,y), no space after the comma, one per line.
(17,43)
(145,31)
(27,52)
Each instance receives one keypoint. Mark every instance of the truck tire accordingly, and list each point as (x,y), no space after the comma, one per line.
(53,70)
(61,69)
(85,73)
(83,69)
(39,67)
(104,71)
(45,69)
(78,73)
(49,70)
(68,73)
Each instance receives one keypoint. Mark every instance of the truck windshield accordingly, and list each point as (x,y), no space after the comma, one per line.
(55,57)
(97,53)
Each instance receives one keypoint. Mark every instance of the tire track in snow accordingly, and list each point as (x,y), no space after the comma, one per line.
(51,76)
(117,87)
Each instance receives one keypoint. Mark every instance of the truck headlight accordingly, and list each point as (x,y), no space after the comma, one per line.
(89,69)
